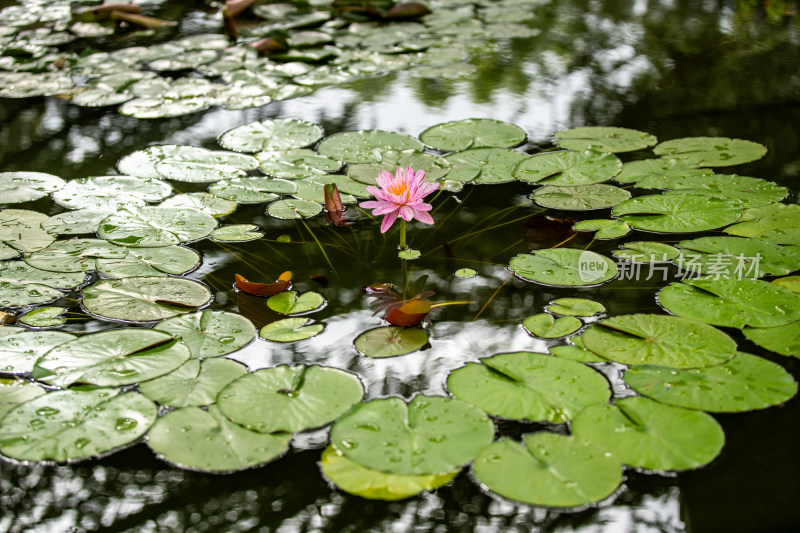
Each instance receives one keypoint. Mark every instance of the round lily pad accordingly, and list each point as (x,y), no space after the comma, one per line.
(44,317)
(295,164)
(210,167)
(313,189)
(76,222)
(666,213)
(17,391)
(156,226)
(20,350)
(711,151)
(568,168)
(746,191)
(529,386)
(459,135)
(144,299)
(658,169)
(731,302)
(643,433)
(606,229)
(646,252)
(18,187)
(74,255)
(775,223)
(365,146)
(252,190)
(738,257)
(210,333)
(194,383)
(22,284)
(71,425)
(271,134)
(290,330)
(604,139)
(163,106)
(206,441)
(208,203)
(111,358)
(549,470)
(111,193)
(142,163)
(483,165)
(580,197)
(237,233)
(290,209)
(744,383)
(546,326)
(290,398)
(784,340)
(21,229)
(575,307)
(660,340)
(290,303)
(428,435)
(466,273)
(372,484)
(389,341)
(563,267)
(160,261)
(435,167)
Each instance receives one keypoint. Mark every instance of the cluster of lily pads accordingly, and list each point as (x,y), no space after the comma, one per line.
(76,397)
(192,73)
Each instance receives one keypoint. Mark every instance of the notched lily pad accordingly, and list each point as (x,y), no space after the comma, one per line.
(290,330)
(271,134)
(563,267)
(568,168)
(389,341)
(210,333)
(604,139)
(580,197)
(459,135)
(546,326)
(711,151)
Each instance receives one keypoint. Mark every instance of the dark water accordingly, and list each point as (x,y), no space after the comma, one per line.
(674,69)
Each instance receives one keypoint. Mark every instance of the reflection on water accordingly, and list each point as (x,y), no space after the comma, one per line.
(674,68)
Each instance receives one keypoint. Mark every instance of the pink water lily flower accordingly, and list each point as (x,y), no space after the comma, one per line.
(401,195)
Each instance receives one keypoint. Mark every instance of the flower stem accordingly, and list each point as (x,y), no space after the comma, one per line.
(403,234)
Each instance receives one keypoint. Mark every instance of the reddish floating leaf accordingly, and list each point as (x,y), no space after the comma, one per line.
(334,209)
(409,314)
(264,289)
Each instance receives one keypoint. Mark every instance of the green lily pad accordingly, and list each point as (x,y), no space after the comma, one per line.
(568,168)
(313,189)
(139,262)
(111,193)
(155,226)
(483,165)
(746,191)
(604,139)
(459,135)
(74,255)
(658,169)
(28,84)
(372,484)
(79,222)
(711,151)
(290,209)
(466,273)
(295,164)
(210,167)
(142,163)
(271,134)
(206,441)
(563,267)
(665,213)
(144,299)
(737,257)
(529,386)
(237,233)
(290,330)
(163,106)
(208,203)
(659,340)
(775,223)
(435,167)
(111,358)
(784,340)
(21,230)
(366,146)
(646,252)
(549,470)
(44,317)
(252,190)
(576,352)
(731,302)
(210,333)
(18,187)
(575,307)
(20,350)
(389,341)
(71,425)
(290,398)
(744,383)
(16,391)
(643,433)
(606,229)
(290,303)
(194,383)
(428,435)
(22,284)
(580,197)
(546,326)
